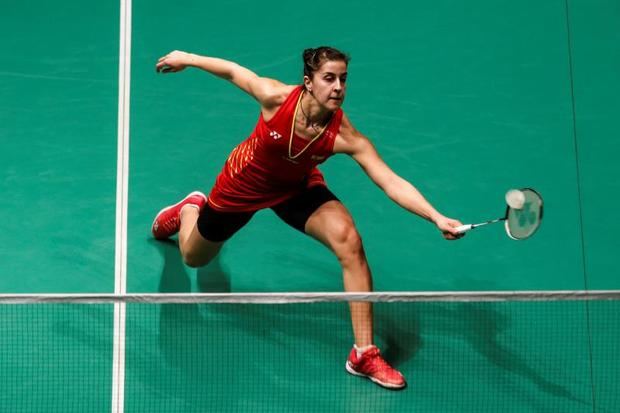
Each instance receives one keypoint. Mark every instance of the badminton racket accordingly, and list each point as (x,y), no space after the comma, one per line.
(524,212)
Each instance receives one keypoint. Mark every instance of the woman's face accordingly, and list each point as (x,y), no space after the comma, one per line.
(328,84)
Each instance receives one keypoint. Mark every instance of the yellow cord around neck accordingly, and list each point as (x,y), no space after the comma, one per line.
(290,141)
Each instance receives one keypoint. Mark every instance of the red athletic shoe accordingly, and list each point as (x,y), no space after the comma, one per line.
(167,222)
(370,364)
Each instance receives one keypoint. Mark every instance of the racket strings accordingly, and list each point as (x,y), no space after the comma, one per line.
(523,222)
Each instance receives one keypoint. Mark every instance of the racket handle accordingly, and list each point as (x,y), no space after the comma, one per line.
(464,228)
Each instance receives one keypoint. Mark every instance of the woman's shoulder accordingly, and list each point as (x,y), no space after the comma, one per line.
(281,92)
(271,92)
(275,98)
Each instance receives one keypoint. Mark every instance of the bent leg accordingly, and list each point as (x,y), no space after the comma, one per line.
(195,249)
(203,232)
(332,225)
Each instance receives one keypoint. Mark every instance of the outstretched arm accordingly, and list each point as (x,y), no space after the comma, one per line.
(268,92)
(359,147)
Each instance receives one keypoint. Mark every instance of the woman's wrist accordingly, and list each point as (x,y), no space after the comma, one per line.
(192,59)
(434,216)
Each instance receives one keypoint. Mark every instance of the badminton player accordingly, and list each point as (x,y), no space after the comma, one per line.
(299,127)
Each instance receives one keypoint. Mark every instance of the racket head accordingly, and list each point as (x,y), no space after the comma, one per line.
(522,223)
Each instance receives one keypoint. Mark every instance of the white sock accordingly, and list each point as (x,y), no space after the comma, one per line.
(361,350)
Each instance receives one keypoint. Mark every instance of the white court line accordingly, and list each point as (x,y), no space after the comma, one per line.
(122,175)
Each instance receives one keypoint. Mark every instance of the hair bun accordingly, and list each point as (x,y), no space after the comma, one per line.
(308,54)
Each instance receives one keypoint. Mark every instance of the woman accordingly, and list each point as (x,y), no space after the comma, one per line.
(299,127)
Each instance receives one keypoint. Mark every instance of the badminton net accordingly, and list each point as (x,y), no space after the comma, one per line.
(460,352)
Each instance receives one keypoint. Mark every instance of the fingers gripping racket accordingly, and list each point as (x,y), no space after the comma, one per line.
(524,212)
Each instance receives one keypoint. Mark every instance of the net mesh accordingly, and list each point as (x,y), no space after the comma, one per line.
(55,358)
(458,355)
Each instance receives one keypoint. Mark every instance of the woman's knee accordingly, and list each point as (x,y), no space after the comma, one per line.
(194,260)
(346,242)
(199,257)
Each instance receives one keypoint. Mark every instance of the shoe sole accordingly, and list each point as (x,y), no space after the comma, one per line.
(374,380)
(173,206)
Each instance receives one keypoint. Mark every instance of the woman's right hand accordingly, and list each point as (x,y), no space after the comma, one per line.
(173,62)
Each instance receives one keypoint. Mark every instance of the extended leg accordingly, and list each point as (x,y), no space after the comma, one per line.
(332,224)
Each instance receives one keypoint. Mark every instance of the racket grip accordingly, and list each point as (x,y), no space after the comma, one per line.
(464,228)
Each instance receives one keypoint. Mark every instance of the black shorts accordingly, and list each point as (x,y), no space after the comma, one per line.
(218,226)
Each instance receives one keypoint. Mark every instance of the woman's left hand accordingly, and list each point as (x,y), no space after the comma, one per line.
(173,62)
(447,227)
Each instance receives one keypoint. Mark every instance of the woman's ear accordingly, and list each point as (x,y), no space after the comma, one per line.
(308,84)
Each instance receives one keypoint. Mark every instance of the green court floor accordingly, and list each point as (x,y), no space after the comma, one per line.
(465,100)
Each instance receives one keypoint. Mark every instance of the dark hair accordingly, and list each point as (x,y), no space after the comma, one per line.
(314,58)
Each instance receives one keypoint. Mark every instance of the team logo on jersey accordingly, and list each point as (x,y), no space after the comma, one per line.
(275,135)
(317,158)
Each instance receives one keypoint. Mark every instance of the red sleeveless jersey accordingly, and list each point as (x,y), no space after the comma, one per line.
(259,172)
